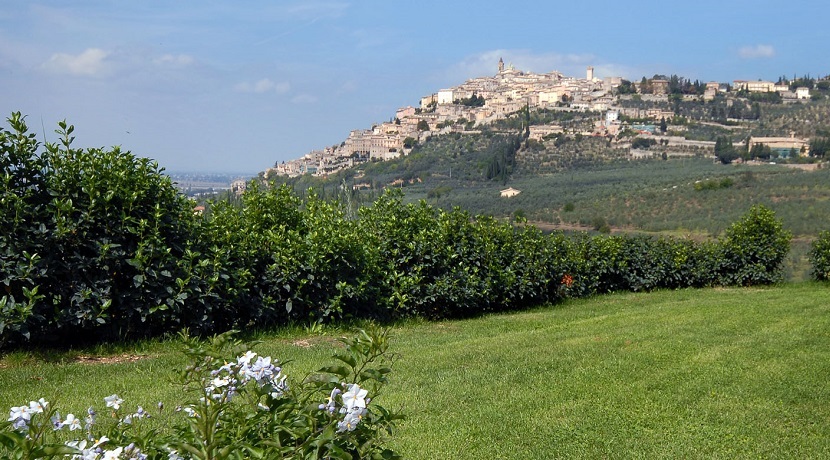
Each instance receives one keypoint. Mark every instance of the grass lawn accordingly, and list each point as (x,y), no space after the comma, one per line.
(716,373)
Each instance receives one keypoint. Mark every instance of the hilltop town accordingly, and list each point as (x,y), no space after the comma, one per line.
(619,109)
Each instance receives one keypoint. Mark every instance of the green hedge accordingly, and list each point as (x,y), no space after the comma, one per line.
(97,245)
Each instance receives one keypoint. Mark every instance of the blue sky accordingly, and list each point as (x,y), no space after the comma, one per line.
(237,86)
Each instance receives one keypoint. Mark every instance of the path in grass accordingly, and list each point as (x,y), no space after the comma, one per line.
(720,373)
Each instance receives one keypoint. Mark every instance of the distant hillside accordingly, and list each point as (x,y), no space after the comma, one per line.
(569,179)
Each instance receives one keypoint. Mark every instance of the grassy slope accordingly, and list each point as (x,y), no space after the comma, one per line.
(722,373)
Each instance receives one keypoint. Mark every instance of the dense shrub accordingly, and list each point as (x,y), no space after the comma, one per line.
(754,249)
(21,203)
(286,260)
(97,233)
(820,257)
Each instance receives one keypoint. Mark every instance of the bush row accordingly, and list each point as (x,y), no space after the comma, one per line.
(97,245)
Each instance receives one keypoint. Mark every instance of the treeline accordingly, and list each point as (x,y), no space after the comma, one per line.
(806,81)
(97,245)
(674,85)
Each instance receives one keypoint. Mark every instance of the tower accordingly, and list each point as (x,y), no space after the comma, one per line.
(501,65)
(590,74)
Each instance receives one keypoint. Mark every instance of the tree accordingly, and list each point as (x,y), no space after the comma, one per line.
(724,150)
(677,85)
(422,125)
(675,100)
(756,111)
(626,87)
(473,101)
(663,126)
(760,151)
(819,146)
(642,143)
(519,216)
(803,81)
(645,86)
(736,111)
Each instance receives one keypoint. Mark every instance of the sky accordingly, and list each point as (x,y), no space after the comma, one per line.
(237,86)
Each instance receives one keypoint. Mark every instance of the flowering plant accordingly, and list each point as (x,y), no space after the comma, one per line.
(245,407)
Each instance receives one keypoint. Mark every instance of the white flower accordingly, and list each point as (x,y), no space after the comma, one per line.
(80,445)
(20,417)
(72,422)
(354,397)
(21,412)
(86,454)
(246,358)
(112,454)
(220,382)
(100,441)
(114,401)
(261,370)
(351,420)
(38,406)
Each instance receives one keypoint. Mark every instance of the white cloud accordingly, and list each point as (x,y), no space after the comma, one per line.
(264,85)
(757,51)
(91,63)
(304,99)
(180,60)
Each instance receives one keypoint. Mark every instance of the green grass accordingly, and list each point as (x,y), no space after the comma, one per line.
(718,373)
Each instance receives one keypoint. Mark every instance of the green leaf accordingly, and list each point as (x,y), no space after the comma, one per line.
(53,450)
(341,371)
(348,359)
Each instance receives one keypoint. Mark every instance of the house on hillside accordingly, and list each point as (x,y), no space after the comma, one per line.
(509,192)
(239,186)
(759,86)
(781,145)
